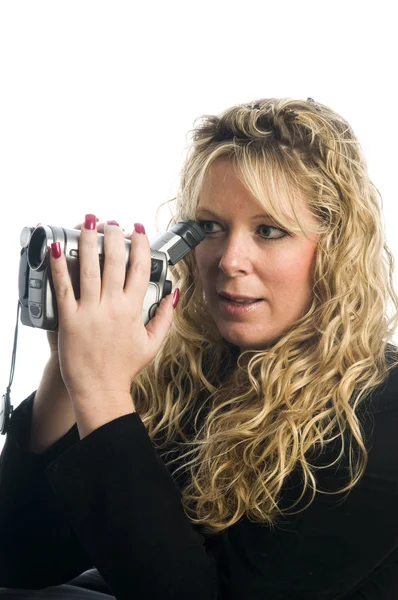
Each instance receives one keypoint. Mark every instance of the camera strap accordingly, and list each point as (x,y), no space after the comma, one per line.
(5,406)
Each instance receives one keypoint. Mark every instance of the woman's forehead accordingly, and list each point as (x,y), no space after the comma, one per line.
(223,187)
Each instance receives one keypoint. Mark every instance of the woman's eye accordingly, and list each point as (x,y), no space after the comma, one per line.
(273,233)
(277,234)
(205,225)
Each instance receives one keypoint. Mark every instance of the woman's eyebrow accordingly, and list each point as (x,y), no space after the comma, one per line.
(210,212)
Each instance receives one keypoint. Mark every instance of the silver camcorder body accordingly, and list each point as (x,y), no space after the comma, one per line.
(36,291)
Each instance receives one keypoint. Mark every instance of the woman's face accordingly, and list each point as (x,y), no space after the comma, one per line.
(242,256)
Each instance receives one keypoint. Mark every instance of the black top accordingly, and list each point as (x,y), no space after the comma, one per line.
(108,501)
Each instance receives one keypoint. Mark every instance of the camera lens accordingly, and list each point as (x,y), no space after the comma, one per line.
(37,248)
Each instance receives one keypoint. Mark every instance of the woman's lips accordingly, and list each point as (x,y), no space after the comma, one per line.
(234,310)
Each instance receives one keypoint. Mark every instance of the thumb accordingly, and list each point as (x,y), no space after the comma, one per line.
(159,326)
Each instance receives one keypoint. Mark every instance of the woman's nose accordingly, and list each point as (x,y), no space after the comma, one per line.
(236,256)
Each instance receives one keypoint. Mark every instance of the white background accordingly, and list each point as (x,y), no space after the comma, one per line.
(97,99)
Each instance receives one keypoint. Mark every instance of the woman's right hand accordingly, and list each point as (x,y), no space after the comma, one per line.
(52,336)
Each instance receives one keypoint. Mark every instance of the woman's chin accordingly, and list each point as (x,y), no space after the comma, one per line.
(245,340)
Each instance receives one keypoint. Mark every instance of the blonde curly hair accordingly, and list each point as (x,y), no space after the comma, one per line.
(241,426)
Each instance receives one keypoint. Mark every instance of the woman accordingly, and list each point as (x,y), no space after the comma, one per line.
(243,444)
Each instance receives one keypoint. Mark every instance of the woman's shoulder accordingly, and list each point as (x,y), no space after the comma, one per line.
(384,397)
(379,425)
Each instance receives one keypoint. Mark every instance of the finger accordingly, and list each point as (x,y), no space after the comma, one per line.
(64,293)
(114,273)
(139,272)
(90,274)
(80,225)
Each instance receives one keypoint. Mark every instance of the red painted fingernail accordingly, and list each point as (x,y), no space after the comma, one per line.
(56,249)
(139,228)
(90,221)
(176,297)
(112,223)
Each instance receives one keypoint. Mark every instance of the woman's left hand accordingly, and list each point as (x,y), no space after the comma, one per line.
(103,342)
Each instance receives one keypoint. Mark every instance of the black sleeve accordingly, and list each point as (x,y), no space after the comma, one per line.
(106,501)
(38,546)
(126,510)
